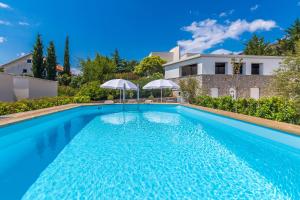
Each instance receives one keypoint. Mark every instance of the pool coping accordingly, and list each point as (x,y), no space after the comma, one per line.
(282,126)
(286,127)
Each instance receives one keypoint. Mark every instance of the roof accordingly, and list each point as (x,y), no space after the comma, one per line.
(17,59)
(59,68)
(222,56)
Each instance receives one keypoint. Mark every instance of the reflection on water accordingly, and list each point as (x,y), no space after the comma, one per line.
(26,157)
(162,117)
(118,118)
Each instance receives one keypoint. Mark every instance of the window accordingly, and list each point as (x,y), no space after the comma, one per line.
(241,68)
(189,70)
(24,71)
(220,68)
(254,68)
(29,61)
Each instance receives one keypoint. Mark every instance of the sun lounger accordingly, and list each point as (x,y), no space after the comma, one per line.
(109,102)
(132,101)
(148,101)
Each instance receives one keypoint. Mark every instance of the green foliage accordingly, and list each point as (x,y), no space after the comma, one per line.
(189,88)
(1,69)
(38,67)
(287,79)
(257,46)
(93,90)
(149,66)
(287,44)
(64,79)
(101,68)
(27,105)
(67,68)
(67,91)
(76,81)
(146,93)
(274,108)
(51,62)
(110,97)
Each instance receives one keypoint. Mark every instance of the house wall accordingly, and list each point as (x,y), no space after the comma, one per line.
(42,88)
(223,83)
(16,67)
(13,88)
(6,88)
(206,65)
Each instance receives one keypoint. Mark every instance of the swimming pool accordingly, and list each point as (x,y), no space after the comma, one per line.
(146,152)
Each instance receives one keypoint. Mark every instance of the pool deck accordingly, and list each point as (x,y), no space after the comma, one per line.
(290,128)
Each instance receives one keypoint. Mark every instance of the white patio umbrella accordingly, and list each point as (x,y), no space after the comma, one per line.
(161,84)
(119,84)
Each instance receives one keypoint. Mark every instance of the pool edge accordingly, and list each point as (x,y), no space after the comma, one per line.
(281,126)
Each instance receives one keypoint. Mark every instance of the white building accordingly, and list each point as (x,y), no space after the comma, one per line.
(214,72)
(19,66)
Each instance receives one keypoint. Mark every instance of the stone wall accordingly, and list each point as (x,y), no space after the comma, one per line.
(242,82)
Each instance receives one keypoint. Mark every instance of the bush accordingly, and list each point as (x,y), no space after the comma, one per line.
(110,97)
(274,108)
(34,104)
(67,91)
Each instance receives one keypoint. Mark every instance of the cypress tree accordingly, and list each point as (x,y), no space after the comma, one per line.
(38,67)
(117,60)
(51,62)
(67,69)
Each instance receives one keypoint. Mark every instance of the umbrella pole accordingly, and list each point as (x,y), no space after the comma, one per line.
(124,94)
(120,95)
(160,95)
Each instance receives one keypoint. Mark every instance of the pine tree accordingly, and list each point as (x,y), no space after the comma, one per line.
(293,35)
(257,46)
(38,67)
(67,69)
(51,62)
(118,61)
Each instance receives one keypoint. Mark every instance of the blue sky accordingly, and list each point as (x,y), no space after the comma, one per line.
(138,27)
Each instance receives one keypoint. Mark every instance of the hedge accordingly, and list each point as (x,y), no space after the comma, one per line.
(274,108)
(34,104)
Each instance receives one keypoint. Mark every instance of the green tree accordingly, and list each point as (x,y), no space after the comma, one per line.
(257,46)
(287,77)
(38,67)
(293,35)
(101,68)
(237,65)
(118,61)
(67,68)
(190,88)
(51,62)
(149,66)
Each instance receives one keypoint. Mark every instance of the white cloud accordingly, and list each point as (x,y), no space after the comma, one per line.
(24,23)
(7,23)
(255,7)
(21,54)
(3,5)
(225,51)
(208,33)
(225,14)
(2,39)
(75,71)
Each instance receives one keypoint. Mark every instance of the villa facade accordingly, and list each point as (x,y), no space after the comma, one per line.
(214,72)
(23,66)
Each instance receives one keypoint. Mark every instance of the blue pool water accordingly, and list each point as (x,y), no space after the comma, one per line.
(146,152)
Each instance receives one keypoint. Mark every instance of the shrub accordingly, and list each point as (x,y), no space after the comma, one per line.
(110,97)
(274,108)
(67,91)
(34,104)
